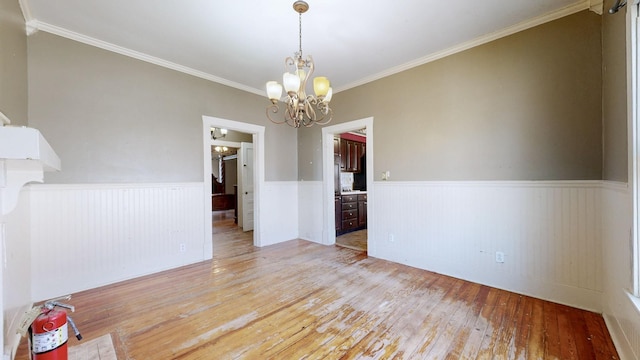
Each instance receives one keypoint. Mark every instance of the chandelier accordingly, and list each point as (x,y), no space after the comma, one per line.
(218,133)
(300,109)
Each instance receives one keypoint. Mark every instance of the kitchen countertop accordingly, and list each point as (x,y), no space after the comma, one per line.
(354,192)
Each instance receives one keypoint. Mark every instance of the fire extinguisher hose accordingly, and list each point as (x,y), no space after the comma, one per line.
(74,327)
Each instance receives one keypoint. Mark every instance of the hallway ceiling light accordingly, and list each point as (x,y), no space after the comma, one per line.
(222,133)
(300,109)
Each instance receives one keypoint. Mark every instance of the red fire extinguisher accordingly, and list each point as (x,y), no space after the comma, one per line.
(48,333)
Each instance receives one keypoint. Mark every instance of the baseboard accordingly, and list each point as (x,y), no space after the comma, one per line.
(625,352)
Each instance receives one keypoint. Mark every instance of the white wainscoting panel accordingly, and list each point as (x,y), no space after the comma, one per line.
(310,210)
(89,235)
(279,212)
(549,233)
(621,310)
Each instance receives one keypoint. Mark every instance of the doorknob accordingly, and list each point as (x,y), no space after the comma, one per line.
(246,193)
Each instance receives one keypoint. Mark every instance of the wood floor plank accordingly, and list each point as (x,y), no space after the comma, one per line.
(457,346)
(329,320)
(337,346)
(598,335)
(404,333)
(373,313)
(458,317)
(537,338)
(567,342)
(522,325)
(493,328)
(552,336)
(582,336)
(476,337)
(427,298)
(300,300)
(506,337)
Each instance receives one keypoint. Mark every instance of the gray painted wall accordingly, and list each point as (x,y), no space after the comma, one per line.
(13,64)
(114,119)
(524,107)
(614,100)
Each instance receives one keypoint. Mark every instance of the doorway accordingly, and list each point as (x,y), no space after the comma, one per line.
(329,179)
(350,185)
(232,184)
(224,180)
(257,175)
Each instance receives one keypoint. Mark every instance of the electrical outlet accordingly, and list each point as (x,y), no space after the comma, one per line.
(183,247)
(499,257)
(392,238)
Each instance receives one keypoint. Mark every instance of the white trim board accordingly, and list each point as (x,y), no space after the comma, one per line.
(328,132)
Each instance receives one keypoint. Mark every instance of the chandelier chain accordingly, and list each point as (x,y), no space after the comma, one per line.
(300,32)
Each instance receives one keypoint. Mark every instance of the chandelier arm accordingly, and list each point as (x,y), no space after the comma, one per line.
(310,103)
(273,108)
(310,64)
(310,111)
(288,62)
(321,122)
(323,108)
(292,108)
(291,121)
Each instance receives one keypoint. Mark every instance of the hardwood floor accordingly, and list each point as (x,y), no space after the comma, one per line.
(303,300)
(355,240)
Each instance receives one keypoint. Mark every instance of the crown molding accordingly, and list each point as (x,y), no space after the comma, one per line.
(28,17)
(597,6)
(566,11)
(36,25)
(26,10)
(4,120)
(33,25)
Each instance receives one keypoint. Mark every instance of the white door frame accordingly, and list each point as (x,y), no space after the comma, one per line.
(633,133)
(329,223)
(257,132)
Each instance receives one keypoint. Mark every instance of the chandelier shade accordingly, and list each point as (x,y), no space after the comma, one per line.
(274,91)
(300,109)
(321,86)
(291,82)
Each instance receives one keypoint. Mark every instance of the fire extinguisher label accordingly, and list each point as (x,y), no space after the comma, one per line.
(49,340)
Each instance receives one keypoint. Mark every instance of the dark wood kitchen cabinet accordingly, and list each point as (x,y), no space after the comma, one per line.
(362,211)
(350,154)
(337,205)
(343,154)
(349,212)
(353,213)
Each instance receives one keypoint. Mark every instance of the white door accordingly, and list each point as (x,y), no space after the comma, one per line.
(246,150)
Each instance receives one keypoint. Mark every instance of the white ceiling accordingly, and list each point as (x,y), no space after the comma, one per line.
(243,43)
